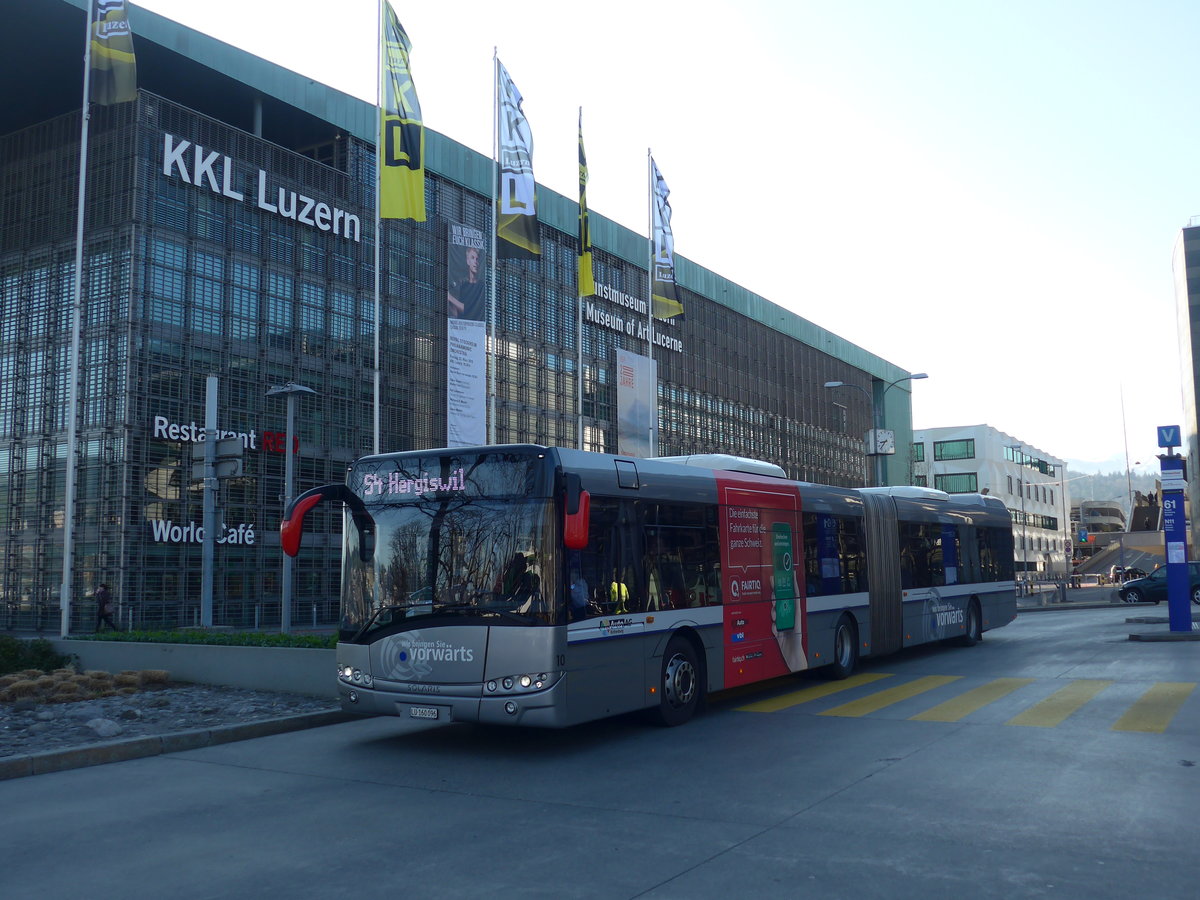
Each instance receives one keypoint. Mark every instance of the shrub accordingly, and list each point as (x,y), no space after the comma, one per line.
(22,656)
(220,638)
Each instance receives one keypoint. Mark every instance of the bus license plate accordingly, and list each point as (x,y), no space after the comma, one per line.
(423,712)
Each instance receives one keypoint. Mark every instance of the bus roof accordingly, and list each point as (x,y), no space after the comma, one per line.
(907,491)
(726,462)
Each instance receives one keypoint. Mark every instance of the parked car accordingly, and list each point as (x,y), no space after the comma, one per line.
(1153,588)
(1132,572)
(1116,574)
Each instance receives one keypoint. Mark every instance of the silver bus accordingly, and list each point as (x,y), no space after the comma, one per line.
(541,586)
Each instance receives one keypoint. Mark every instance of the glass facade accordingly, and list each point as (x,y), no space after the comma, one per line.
(209,251)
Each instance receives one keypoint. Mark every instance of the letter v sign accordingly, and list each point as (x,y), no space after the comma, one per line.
(1168,436)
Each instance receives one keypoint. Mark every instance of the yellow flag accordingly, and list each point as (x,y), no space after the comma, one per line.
(587,283)
(401,131)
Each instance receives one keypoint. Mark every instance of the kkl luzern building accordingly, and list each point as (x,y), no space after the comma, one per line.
(229,232)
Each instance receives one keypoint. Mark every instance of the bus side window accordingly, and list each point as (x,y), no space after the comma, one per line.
(610,561)
(682,556)
(599,561)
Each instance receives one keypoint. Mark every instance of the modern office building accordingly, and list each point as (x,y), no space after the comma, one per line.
(230,232)
(1033,485)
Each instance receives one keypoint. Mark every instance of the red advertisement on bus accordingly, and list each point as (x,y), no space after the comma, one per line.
(761,547)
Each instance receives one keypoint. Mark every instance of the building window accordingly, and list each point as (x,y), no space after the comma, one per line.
(918,452)
(964,449)
(1009,483)
(920,481)
(957,482)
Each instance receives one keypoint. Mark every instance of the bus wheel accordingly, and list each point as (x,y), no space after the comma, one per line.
(974,626)
(680,683)
(845,648)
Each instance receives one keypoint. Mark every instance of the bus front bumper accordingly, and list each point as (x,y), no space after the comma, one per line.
(534,709)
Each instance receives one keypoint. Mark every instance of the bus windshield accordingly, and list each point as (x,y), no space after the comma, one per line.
(455,560)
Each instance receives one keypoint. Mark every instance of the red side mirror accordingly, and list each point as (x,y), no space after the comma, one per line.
(575,524)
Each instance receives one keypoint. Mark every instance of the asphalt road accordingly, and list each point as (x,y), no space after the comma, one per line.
(1056,759)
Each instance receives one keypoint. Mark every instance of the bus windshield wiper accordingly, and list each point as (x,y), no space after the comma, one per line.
(484,611)
(371,621)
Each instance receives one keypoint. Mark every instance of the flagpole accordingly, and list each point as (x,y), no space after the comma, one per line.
(66,589)
(650,197)
(491,357)
(579,326)
(376,412)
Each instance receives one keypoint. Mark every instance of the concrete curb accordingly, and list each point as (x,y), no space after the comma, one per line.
(1069,605)
(137,748)
(1167,636)
(1157,636)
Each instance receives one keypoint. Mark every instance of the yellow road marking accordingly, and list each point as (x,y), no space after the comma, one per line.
(795,698)
(1062,703)
(957,708)
(1154,709)
(879,700)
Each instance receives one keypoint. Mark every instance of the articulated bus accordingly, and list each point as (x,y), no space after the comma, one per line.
(540,586)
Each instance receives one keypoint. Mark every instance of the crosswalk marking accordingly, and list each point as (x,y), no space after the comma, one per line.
(977,698)
(878,701)
(1151,713)
(816,692)
(1059,705)
(1154,710)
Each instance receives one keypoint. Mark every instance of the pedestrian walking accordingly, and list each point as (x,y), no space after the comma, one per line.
(104,608)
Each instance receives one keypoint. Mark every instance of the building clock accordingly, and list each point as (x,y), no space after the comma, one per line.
(884,443)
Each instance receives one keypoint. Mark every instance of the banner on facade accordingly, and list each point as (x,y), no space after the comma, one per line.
(401,129)
(466,336)
(637,405)
(516,211)
(113,76)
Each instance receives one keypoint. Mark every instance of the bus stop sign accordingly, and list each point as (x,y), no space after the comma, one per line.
(1175,537)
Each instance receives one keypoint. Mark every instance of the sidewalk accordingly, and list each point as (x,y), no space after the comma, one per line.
(100,752)
(1048,596)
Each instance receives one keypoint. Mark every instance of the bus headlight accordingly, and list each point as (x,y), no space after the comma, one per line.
(354,675)
(518,684)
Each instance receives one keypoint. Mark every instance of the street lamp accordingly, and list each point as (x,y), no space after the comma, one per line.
(877,420)
(290,390)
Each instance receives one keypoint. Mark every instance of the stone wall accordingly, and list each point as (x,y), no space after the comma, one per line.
(297,671)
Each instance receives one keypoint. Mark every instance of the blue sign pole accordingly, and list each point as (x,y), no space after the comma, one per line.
(1175,537)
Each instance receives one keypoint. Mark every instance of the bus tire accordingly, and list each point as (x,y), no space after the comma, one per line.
(974,633)
(845,648)
(679,683)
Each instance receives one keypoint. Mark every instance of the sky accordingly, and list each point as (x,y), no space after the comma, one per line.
(989,193)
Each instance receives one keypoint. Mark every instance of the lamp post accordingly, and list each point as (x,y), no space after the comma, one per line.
(291,391)
(877,421)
